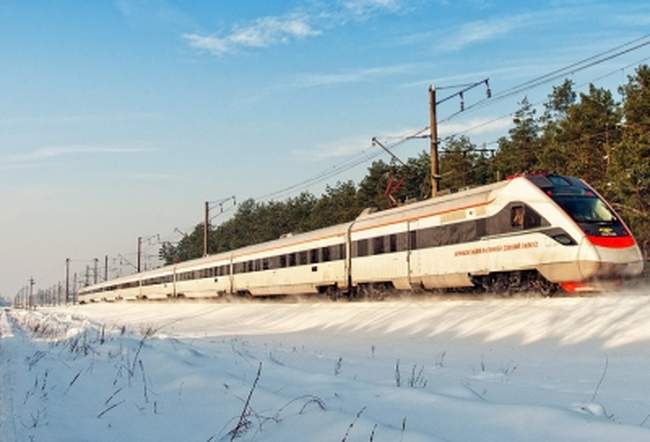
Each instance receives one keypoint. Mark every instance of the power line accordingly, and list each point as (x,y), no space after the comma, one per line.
(570,69)
(558,73)
(537,103)
(366,155)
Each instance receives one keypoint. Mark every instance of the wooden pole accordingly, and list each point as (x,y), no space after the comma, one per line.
(67,280)
(206,227)
(433,124)
(139,253)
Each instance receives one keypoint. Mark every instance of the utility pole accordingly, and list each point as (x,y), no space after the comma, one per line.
(95,276)
(206,227)
(31,292)
(74,288)
(105,268)
(87,278)
(139,252)
(67,280)
(433,124)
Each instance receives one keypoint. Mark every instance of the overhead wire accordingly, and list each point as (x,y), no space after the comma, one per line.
(547,78)
(570,69)
(366,155)
(540,102)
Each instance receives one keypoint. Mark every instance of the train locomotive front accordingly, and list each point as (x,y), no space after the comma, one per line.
(606,252)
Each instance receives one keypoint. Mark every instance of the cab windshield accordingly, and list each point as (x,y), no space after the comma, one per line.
(585,209)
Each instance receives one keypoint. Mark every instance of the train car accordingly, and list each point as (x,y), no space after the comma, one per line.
(536,232)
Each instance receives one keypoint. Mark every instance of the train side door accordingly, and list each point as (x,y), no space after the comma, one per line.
(412,257)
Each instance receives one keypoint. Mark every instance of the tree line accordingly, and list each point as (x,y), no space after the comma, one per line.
(589,135)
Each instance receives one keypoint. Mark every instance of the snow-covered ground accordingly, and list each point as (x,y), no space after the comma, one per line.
(529,369)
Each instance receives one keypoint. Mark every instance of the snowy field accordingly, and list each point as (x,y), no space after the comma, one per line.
(529,369)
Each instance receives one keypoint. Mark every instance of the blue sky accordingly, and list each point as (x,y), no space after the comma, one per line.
(118,118)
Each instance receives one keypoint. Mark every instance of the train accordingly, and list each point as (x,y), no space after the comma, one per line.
(538,232)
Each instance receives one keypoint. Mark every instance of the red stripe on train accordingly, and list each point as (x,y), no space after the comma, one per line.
(612,242)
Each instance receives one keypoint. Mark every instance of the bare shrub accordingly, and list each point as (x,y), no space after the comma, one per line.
(337,367)
(398,375)
(354,421)
(417,379)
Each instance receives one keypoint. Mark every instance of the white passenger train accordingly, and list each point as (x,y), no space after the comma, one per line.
(538,232)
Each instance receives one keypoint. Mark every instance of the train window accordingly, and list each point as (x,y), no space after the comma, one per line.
(532,219)
(341,251)
(325,254)
(392,243)
(283,261)
(413,240)
(362,247)
(378,245)
(265,264)
(313,256)
(558,180)
(517,217)
(292,259)
(303,258)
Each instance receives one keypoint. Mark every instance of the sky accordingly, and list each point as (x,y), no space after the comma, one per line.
(119,118)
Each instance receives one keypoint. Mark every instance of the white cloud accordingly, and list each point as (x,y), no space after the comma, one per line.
(352,145)
(519,68)
(357,145)
(261,33)
(483,30)
(343,147)
(362,8)
(81,118)
(351,76)
(47,153)
(268,31)
(640,19)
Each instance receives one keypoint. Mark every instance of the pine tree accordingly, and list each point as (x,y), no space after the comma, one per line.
(552,152)
(517,153)
(630,171)
(587,132)
(457,162)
